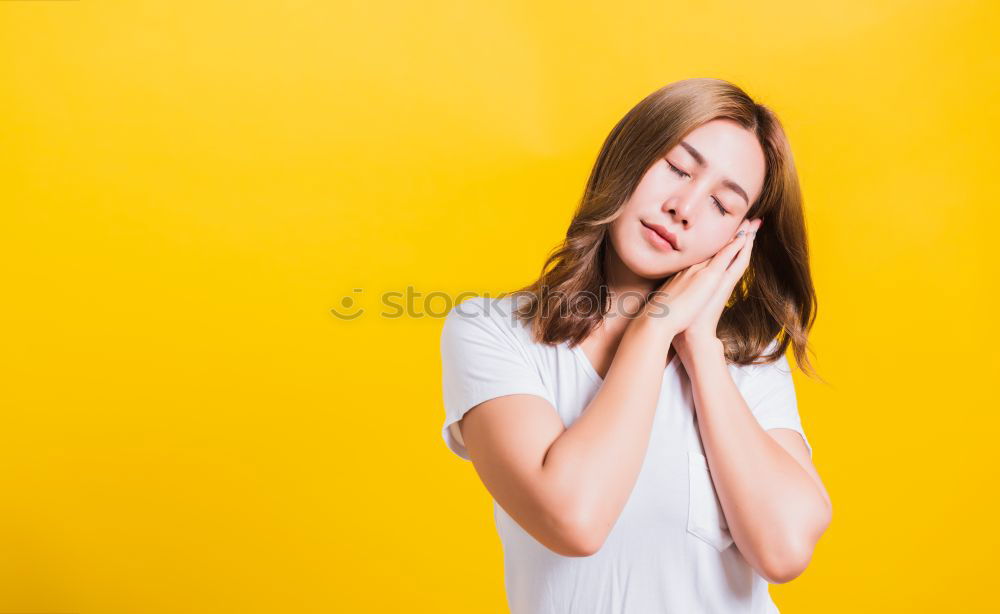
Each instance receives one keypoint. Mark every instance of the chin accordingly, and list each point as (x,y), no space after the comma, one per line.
(649,270)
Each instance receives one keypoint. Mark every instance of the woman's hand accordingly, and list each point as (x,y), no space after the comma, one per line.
(685,298)
(703,327)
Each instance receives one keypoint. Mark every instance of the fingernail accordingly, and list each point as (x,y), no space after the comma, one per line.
(739,234)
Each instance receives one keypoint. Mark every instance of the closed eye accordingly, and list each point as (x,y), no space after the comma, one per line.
(677,171)
(684,175)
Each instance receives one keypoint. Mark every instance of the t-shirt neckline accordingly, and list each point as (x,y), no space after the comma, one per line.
(585,363)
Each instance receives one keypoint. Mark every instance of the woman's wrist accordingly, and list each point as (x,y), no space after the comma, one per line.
(703,343)
(656,323)
(692,349)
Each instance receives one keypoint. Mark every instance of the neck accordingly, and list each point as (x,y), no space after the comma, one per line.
(627,290)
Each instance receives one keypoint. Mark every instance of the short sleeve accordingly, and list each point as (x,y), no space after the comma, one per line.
(481,359)
(770,394)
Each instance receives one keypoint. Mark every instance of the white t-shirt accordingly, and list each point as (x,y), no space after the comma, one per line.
(670,551)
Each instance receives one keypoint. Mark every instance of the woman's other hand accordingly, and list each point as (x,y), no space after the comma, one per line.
(703,326)
(691,295)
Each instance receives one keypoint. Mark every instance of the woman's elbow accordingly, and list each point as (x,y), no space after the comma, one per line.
(786,564)
(582,539)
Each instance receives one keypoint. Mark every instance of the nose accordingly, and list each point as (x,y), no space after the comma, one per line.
(680,207)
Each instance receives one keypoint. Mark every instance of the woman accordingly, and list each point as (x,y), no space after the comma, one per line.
(632,411)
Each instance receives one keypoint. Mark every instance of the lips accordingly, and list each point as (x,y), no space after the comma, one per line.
(664,234)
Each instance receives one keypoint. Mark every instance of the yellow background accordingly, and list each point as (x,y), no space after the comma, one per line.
(188,188)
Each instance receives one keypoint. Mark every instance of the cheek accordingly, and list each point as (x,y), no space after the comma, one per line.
(721,237)
(713,241)
(617,241)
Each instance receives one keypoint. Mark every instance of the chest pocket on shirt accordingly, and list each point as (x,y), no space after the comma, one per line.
(705,518)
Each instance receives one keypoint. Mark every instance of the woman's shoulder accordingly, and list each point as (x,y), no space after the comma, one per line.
(497,309)
(761,369)
(487,313)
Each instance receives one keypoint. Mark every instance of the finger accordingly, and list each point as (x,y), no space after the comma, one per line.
(736,271)
(741,262)
(750,234)
(724,257)
(700,265)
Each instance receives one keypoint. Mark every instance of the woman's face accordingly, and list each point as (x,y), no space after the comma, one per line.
(698,193)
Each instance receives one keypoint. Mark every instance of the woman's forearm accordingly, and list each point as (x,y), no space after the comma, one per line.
(594,464)
(775,510)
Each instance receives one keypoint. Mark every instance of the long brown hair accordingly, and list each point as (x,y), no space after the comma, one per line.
(774,302)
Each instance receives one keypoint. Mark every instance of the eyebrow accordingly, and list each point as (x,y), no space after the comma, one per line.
(729,183)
